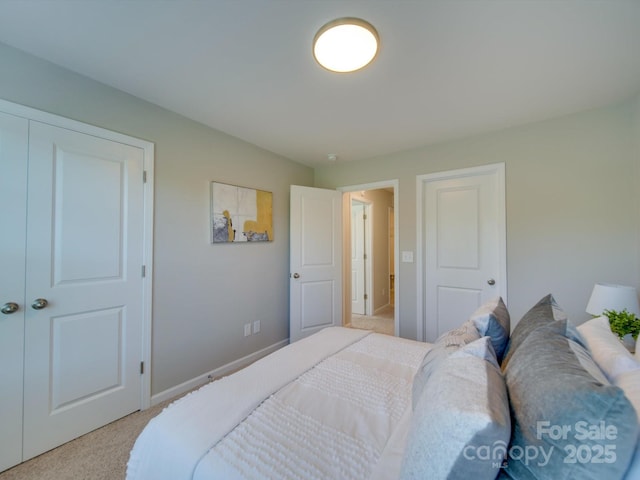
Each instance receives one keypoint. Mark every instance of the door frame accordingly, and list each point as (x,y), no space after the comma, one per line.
(346,305)
(497,169)
(149,162)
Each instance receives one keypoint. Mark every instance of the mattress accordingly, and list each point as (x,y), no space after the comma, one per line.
(333,405)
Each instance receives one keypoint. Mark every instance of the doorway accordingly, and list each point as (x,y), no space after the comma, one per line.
(377,291)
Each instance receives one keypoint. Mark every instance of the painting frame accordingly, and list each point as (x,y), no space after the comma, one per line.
(240,214)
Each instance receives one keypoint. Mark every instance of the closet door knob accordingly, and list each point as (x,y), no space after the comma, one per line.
(491,281)
(9,308)
(296,275)
(39,303)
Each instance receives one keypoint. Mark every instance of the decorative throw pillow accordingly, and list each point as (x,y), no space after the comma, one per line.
(634,469)
(542,313)
(629,382)
(568,420)
(492,319)
(464,334)
(444,346)
(606,349)
(462,414)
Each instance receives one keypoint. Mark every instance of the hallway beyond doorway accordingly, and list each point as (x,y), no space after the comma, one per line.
(382,322)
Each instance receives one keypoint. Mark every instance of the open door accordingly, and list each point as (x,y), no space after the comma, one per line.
(315,283)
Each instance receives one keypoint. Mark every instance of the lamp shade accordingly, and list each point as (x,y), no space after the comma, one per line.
(608,296)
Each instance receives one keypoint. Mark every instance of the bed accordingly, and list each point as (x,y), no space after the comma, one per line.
(547,400)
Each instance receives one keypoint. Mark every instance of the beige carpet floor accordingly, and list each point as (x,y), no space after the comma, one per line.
(382,322)
(98,455)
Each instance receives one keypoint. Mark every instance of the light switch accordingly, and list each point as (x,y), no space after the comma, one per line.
(407,257)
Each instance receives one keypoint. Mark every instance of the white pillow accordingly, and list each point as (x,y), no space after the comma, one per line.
(629,382)
(606,349)
(444,346)
(462,410)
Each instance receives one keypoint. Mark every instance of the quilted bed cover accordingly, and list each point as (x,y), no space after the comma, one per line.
(335,405)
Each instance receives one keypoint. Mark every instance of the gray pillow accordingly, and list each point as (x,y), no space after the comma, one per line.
(492,319)
(444,346)
(463,412)
(542,313)
(557,395)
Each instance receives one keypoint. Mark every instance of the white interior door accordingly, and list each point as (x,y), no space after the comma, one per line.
(13,211)
(316,260)
(85,226)
(464,244)
(358,278)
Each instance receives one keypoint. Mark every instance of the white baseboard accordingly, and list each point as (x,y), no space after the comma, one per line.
(218,372)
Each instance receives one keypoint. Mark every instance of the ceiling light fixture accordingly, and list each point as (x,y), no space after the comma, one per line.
(346,45)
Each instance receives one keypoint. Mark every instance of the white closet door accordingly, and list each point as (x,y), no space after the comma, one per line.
(465,255)
(13,211)
(84,258)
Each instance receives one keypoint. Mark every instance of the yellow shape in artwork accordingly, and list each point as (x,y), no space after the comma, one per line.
(261,229)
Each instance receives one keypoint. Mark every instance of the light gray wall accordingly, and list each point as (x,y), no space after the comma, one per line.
(572,206)
(636,135)
(203,293)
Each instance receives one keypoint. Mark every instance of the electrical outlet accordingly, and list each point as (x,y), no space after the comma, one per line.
(256,326)
(247,329)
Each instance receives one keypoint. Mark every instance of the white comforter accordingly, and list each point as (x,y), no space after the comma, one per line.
(333,405)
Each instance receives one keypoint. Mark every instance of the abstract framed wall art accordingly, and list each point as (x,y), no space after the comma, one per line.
(240,214)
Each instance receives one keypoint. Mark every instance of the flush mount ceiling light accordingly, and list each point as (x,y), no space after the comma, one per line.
(346,45)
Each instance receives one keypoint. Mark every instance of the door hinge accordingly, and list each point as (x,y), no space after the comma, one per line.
(141,368)
(144,271)
(366,297)
(364,256)
(144,176)
(364,216)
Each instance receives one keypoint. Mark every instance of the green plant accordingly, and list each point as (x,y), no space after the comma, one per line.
(623,323)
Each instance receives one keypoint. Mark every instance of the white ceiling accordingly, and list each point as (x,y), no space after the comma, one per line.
(447,69)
